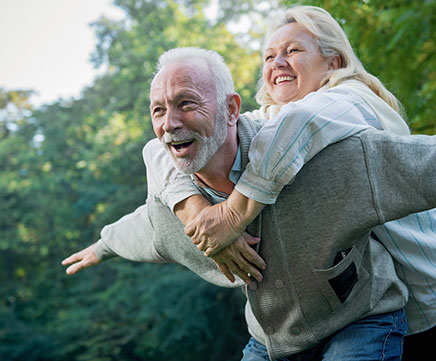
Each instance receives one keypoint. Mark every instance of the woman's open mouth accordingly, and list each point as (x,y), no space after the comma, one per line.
(284,79)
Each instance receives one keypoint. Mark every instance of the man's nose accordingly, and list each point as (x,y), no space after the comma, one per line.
(172,121)
(279,61)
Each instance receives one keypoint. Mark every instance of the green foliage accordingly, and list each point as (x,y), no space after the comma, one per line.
(147,314)
(71,167)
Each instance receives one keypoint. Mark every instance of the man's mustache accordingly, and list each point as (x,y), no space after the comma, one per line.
(180,135)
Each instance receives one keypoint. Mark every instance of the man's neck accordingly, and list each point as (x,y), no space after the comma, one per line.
(216,172)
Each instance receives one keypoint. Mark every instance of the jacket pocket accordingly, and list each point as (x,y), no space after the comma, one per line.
(339,283)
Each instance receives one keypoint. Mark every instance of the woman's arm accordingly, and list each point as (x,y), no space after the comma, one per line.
(277,153)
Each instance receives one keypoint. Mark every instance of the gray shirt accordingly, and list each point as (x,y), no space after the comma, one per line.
(330,208)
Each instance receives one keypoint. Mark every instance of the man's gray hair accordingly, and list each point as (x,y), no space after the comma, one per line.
(220,72)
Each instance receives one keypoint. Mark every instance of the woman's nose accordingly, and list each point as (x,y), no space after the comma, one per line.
(279,61)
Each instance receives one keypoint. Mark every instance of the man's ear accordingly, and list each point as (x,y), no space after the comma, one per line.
(233,107)
(335,62)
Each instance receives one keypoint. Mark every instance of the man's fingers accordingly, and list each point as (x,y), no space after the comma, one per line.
(73,258)
(74,268)
(80,260)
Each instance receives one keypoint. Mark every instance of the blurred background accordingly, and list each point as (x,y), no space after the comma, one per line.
(74,81)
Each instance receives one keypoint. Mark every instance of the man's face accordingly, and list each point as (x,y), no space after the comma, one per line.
(184,115)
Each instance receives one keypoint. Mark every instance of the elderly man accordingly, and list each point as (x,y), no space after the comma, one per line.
(329,290)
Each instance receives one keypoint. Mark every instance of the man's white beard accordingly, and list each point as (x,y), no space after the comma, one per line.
(207,146)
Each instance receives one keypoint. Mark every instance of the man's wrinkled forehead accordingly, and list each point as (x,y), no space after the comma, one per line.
(185,74)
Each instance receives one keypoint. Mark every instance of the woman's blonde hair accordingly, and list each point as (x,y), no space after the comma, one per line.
(332,41)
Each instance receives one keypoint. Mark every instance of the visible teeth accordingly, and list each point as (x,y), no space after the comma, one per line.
(281,79)
(181,142)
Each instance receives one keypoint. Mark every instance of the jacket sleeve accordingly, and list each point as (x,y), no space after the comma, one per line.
(402,173)
(165,183)
(296,134)
(131,237)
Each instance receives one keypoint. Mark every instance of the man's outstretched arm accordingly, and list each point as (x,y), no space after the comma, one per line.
(402,172)
(130,238)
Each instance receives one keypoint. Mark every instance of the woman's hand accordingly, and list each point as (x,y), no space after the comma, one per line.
(218,226)
(240,259)
(215,228)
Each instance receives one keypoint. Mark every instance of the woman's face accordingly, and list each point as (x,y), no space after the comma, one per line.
(293,64)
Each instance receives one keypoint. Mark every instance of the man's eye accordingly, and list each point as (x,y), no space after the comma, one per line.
(186,104)
(157,111)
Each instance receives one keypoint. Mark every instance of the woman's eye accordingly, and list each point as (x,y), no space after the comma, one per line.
(268,57)
(292,50)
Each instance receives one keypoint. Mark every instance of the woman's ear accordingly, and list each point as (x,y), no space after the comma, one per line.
(233,107)
(335,62)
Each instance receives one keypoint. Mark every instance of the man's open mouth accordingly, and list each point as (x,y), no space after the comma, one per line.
(181,144)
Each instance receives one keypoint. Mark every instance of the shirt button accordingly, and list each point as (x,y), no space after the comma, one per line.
(269,330)
(295,330)
(252,286)
(279,284)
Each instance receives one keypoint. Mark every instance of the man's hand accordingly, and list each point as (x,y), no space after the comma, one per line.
(80,260)
(240,259)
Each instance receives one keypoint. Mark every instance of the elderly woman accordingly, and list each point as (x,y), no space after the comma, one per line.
(312,76)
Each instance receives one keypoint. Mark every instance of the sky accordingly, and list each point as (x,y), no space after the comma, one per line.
(45,45)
